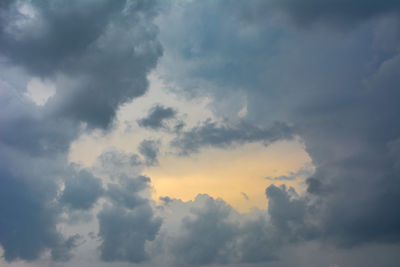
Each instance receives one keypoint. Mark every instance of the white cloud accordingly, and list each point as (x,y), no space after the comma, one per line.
(39,91)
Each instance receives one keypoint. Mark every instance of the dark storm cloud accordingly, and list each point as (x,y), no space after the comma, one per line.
(53,32)
(26,128)
(71,44)
(29,212)
(156,117)
(149,149)
(74,45)
(337,12)
(128,223)
(125,232)
(211,134)
(290,214)
(81,191)
(339,90)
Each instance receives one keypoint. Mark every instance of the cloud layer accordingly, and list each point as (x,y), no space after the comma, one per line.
(323,73)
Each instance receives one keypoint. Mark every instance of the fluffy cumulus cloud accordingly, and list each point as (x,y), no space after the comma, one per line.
(211,231)
(323,72)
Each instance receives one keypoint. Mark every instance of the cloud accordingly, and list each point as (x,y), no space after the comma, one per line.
(156,117)
(302,173)
(236,238)
(126,220)
(329,76)
(74,46)
(149,149)
(112,164)
(32,163)
(211,134)
(82,191)
(125,232)
(337,12)
(126,192)
(29,212)
(193,246)
(27,129)
(337,89)
(63,251)
(128,223)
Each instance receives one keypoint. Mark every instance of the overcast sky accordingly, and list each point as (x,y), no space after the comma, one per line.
(200,133)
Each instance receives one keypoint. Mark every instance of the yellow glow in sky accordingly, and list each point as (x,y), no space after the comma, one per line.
(227,173)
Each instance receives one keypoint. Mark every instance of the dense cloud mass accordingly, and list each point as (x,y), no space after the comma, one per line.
(340,12)
(326,73)
(238,239)
(330,68)
(73,44)
(82,191)
(70,44)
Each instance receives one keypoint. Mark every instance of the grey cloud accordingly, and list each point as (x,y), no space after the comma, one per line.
(124,232)
(338,89)
(290,214)
(257,242)
(63,251)
(157,116)
(211,222)
(238,238)
(26,128)
(166,200)
(29,212)
(32,151)
(282,178)
(149,149)
(54,32)
(82,191)
(113,164)
(302,173)
(126,192)
(128,223)
(73,44)
(211,134)
(338,12)
(245,195)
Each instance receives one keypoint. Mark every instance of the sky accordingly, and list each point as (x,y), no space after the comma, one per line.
(199,133)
